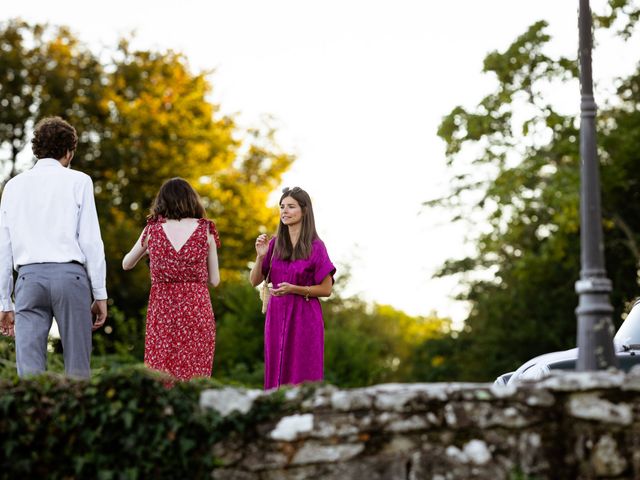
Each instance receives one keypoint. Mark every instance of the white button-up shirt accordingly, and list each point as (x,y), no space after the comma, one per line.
(48,214)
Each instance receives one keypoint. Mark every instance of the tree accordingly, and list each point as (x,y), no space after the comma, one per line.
(43,71)
(239,354)
(524,169)
(161,125)
(142,117)
(367,344)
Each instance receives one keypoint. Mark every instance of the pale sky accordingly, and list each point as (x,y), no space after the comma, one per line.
(357,89)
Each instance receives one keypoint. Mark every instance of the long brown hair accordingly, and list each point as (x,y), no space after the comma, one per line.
(177,199)
(284,249)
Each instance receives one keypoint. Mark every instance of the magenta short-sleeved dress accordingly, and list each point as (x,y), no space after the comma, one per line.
(294,328)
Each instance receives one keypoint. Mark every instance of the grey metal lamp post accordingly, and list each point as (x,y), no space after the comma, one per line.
(595,328)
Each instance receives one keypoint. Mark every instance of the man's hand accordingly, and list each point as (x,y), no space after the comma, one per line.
(7,323)
(99,311)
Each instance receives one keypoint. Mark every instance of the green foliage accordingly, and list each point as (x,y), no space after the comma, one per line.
(125,425)
(518,474)
(374,344)
(142,117)
(521,155)
(239,335)
(160,125)
(122,336)
(439,359)
(43,71)
(7,358)
(623,14)
(363,344)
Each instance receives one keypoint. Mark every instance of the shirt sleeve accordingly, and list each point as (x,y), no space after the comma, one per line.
(323,264)
(6,262)
(90,242)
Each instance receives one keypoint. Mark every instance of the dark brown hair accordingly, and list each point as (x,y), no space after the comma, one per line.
(53,138)
(175,200)
(284,248)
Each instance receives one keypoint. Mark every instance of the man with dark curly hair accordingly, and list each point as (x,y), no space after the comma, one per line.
(49,233)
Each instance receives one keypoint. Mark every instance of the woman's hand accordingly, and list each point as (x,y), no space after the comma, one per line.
(284,288)
(138,251)
(262,245)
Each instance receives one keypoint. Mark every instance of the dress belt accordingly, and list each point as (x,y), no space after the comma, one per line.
(177,283)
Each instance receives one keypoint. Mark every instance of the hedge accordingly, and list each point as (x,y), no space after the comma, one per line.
(120,425)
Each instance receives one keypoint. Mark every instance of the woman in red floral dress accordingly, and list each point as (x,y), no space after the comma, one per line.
(182,248)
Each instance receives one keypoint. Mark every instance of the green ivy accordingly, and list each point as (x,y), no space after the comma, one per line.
(130,424)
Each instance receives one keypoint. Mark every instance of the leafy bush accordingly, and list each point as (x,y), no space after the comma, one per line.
(239,335)
(121,425)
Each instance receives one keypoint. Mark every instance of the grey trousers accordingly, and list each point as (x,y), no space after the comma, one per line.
(45,290)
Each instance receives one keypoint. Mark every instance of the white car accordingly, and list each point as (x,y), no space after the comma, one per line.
(626,345)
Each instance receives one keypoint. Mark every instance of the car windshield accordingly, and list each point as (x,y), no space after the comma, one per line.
(629,331)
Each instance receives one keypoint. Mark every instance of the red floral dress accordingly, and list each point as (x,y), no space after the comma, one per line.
(181,329)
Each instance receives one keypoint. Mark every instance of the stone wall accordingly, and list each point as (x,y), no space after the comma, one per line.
(570,425)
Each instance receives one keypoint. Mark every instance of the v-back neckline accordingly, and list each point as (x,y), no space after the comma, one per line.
(178,250)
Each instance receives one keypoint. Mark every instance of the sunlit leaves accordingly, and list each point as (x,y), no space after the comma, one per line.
(142,117)
(520,282)
(622,14)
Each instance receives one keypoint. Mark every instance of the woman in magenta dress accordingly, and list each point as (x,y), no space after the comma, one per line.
(182,248)
(299,269)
